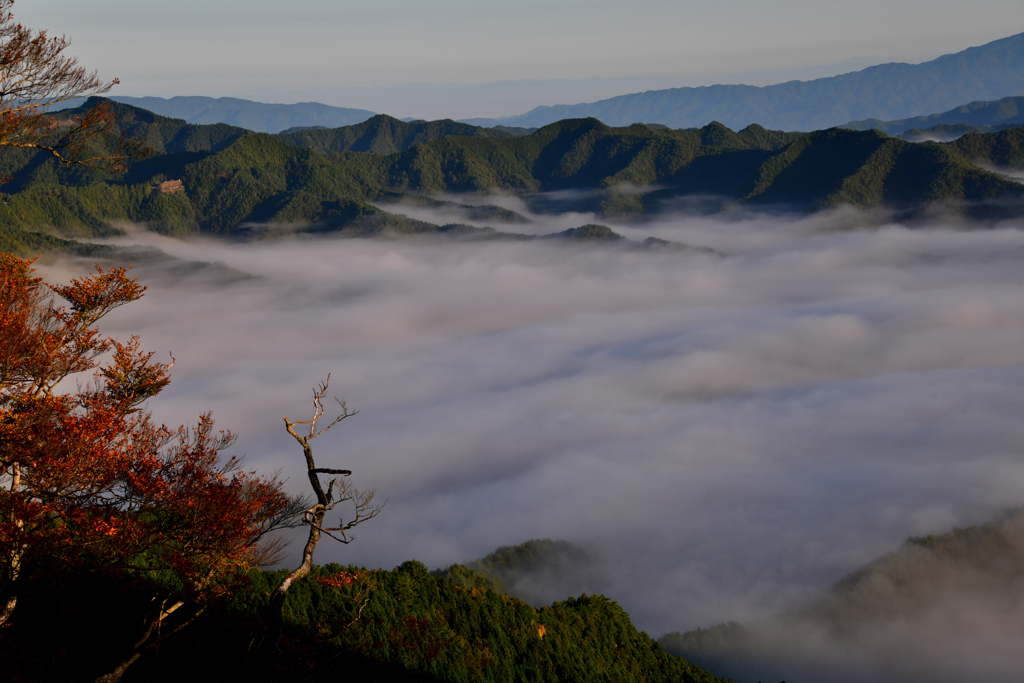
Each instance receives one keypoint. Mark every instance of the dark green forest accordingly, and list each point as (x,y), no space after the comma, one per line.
(243,184)
(404,624)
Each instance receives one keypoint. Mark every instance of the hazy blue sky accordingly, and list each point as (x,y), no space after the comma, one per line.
(235,47)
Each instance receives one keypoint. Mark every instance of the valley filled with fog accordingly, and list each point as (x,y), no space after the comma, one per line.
(727,431)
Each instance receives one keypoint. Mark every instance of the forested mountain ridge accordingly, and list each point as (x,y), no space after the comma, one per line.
(383,134)
(1005,112)
(883,92)
(235,181)
(1003,148)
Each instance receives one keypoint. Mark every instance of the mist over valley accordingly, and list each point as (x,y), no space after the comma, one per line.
(727,432)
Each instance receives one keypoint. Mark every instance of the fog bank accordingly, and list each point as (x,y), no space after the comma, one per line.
(729,435)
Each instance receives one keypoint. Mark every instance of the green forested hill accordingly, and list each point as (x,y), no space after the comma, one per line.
(1004,148)
(834,167)
(1008,111)
(397,625)
(485,635)
(173,141)
(383,134)
(928,586)
(573,154)
(239,182)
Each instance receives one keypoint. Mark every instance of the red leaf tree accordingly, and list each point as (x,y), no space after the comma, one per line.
(35,77)
(87,477)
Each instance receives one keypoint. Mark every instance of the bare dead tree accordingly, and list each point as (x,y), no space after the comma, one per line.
(339,491)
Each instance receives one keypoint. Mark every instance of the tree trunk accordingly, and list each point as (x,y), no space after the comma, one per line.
(115,675)
(315,519)
(314,515)
(14,558)
(155,626)
(13,572)
(276,617)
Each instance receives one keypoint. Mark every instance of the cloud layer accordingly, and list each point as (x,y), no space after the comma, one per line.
(728,435)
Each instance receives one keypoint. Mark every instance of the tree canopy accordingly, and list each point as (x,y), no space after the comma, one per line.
(88,477)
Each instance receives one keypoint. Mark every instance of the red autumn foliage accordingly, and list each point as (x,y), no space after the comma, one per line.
(87,476)
(343,579)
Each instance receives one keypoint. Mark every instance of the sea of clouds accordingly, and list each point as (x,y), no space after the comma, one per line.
(727,433)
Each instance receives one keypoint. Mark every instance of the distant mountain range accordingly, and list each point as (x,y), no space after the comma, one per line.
(883,92)
(870,98)
(256,116)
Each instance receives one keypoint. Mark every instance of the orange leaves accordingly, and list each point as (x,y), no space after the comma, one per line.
(88,475)
(20,320)
(97,294)
(131,378)
(343,579)
(41,343)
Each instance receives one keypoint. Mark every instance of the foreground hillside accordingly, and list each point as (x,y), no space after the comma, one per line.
(239,183)
(398,625)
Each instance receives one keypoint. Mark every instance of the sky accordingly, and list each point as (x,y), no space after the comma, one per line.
(355,53)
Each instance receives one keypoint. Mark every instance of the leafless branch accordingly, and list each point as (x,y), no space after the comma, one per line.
(338,491)
(327,470)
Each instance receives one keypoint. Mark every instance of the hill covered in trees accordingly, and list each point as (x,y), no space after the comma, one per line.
(926,595)
(402,624)
(383,134)
(240,183)
(978,116)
